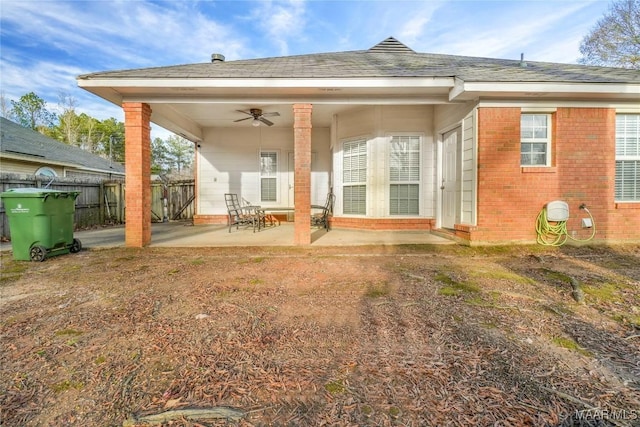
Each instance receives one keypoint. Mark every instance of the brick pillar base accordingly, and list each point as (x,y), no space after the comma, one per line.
(137,131)
(302,173)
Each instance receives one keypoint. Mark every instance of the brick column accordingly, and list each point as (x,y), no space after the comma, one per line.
(137,133)
(302,173)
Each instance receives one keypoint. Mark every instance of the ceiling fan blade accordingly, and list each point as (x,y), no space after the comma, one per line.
(272,114)
(239,120)
(265,121)
(245,112)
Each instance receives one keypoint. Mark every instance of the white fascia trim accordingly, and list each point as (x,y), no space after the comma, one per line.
(418,82)
(532,105)
(461,87)
(272,100)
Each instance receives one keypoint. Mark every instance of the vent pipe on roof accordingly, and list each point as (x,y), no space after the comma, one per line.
(522,63)
(217,57)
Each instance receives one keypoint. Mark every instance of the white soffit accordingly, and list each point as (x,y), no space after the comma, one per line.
(465,91)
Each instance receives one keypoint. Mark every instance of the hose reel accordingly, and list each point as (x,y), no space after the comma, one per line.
(551,224)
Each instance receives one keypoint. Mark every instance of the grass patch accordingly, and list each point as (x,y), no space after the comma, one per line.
(11,270)
(570,344)
(453,287)
(608,292)
(256,281)
(67,385)
(68,332)
(557,309)
(502,275)
(557,276)
(626,318)
(335,387)
(378,290)
(198,261)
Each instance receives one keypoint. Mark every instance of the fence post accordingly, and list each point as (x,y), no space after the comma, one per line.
(101,195)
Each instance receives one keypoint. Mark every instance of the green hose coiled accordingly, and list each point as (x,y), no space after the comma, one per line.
(556,234)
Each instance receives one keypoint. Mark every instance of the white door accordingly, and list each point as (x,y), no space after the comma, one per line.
(450,186)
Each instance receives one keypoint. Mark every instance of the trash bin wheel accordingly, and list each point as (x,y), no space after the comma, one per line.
(38,253)
(75,247)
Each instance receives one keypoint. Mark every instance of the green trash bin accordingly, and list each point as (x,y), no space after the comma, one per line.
(41,222)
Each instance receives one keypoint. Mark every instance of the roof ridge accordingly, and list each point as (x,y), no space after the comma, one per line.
(391,44)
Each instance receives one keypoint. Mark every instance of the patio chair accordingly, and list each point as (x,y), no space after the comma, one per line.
(242,215)
(320,218)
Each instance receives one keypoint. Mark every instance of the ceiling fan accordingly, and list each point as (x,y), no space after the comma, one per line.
(258,116)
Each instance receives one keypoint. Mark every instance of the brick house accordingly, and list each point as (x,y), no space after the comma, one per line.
(470,147)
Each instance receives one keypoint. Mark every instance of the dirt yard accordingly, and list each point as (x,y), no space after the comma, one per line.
(369,336)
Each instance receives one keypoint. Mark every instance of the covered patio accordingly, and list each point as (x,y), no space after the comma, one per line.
(183,234)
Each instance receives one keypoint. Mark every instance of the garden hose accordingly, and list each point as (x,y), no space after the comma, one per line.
(555,233)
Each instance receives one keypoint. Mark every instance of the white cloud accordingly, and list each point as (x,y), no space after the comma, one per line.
(281,21)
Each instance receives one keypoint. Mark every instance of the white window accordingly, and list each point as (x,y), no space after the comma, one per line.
(354,177)
(268,176)
(627,184)
(535,140)
(404,175)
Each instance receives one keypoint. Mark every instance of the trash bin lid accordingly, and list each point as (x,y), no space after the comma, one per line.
(36,192)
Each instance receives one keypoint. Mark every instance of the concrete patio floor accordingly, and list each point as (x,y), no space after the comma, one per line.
(184,234)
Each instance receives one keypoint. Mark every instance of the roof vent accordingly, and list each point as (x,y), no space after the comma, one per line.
(217,57)
(390,45)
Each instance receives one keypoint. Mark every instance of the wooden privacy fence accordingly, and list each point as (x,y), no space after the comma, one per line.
(103,202)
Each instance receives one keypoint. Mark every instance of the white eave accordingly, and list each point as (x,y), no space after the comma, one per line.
(117,90)
(465,91)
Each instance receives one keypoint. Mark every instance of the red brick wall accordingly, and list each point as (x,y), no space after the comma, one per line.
(383,223)
(138,173)
(302,173)
(583,171)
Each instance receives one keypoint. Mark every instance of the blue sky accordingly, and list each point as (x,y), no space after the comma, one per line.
(45,45)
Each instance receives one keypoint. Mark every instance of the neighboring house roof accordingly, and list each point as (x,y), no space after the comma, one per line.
(25,144)
(389,58)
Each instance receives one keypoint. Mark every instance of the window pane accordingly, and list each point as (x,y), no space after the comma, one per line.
(627,181)
(268,189)
(268,164)
(404,161)
(268,176)
(354,199)
(404,199)
(354,162)
(535,139)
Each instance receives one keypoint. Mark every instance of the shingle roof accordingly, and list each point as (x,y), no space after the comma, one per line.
(29,144)
(389,58)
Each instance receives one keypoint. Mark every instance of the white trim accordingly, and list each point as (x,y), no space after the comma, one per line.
(277,174)
(538,110)
(557,104)
(548,140)
(472,90)
(387,178)
(245,83)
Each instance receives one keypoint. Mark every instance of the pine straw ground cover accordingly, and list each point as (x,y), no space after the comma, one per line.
(377,336)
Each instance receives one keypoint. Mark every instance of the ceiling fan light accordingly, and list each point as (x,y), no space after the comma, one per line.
(255,123)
